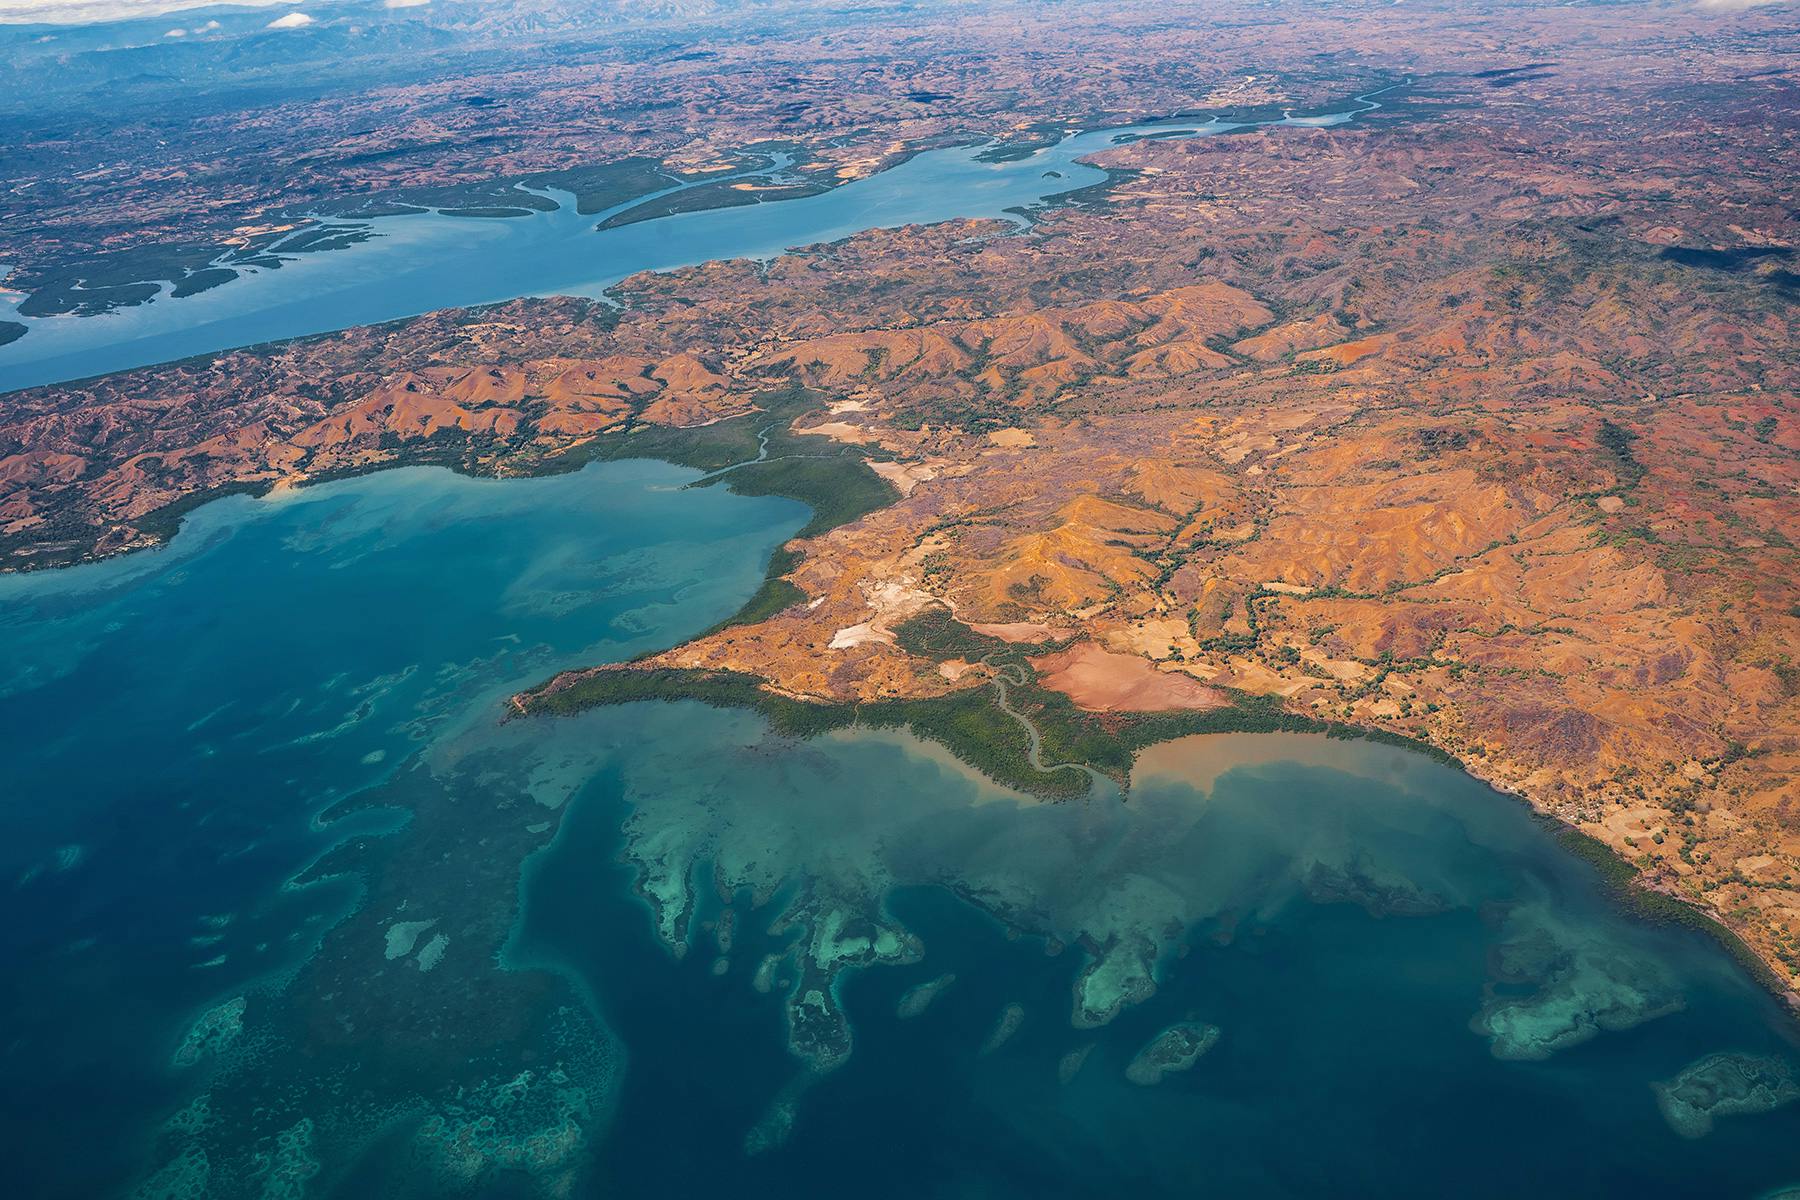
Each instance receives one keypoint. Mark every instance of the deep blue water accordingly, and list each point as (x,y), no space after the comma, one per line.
(420,263)
(170,723)
(513,979)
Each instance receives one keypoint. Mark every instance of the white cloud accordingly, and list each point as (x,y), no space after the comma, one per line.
(87,12)
(293,20)
(405,3)
(1732,5)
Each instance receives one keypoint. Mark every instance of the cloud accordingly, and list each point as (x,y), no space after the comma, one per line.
(1723,6)
(88,12)
(405,3)
(293,20)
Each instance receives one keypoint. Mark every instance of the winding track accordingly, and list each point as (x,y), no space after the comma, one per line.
(762,456)
(1034,739)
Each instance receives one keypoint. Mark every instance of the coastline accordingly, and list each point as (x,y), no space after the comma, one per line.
(758,453)
(979,732)
(1033,602)
(955,723)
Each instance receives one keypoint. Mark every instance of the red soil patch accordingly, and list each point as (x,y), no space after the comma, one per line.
(1100,681)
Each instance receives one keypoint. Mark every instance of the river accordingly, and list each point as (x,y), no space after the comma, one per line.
(420,263)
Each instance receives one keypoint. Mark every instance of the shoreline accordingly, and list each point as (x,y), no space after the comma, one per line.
(1132,733)
(1100,744)
(805,718)
(840,487)
(728,451)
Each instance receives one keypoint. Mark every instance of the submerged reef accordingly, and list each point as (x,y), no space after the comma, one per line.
(292,1163)
(777,1123)
(1378,890)
(414,1027)
(535,1122)
(1724,1085)
(1119,976)
(806,832)
(402,936)
(837,939)
(1011,1017)
(1071,1063)
(1555,986)
(215,1030)
(404,1053)
(188,1176)
(916,999)
(1176,1048)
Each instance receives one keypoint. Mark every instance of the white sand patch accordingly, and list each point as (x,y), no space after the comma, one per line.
(894,601)
(860,635)
(841,431)
(1343,669)
(897,597)
(904,476)
(433,953)
(402,936)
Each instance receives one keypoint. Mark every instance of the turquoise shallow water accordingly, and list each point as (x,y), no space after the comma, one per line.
(1417,993)
(658,948)
(420,263)
(171,722)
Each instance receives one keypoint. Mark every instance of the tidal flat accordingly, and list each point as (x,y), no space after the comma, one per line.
(380,941)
